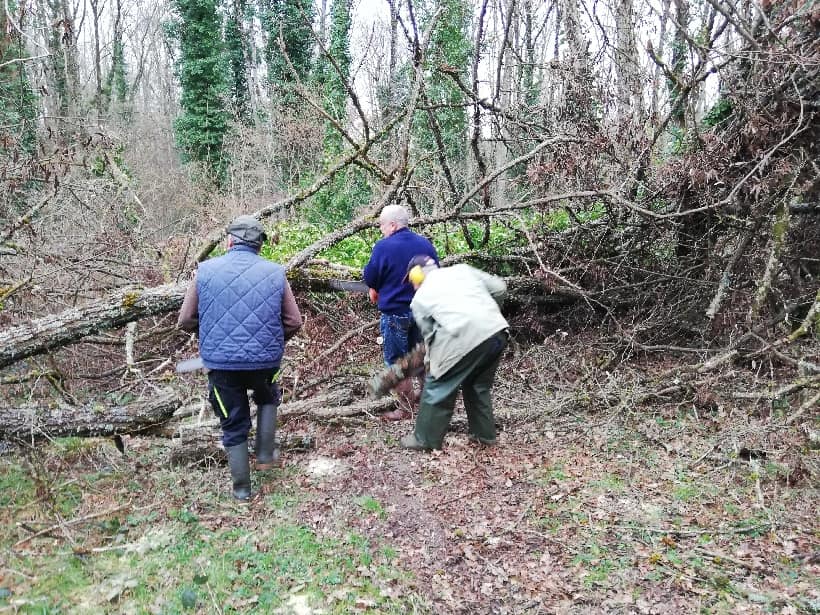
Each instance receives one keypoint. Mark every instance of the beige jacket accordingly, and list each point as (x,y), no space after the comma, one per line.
(456,309)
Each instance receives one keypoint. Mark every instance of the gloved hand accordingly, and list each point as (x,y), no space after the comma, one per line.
(374,296)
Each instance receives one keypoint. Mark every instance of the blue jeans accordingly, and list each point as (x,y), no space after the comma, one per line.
(400,335)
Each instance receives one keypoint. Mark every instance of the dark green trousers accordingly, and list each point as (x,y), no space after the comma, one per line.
(474,376)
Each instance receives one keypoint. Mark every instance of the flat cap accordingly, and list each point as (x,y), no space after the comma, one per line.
(248,230)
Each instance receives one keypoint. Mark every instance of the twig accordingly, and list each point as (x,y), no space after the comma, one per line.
(718,557)
(687,532)
(342,340)
(26,218)
(811,403)
(76,521)
(808,321)
(725,279)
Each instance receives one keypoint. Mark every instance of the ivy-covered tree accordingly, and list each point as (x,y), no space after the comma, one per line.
(288,21)
(202,69)
(337,202)
(332,78)
(680,49)
(18,103)
(236,46)
(115,89)
(444,126)
(63,69)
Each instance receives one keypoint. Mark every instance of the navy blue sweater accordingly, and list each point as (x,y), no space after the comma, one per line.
(387,269)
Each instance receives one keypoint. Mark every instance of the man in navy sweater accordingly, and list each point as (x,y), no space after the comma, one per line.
(244,310)
(386,275)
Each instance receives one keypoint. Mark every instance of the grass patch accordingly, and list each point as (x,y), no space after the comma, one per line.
(15,485)
(610,482)
(597,567)
(182,566)
(685,491)
(173,553)
(551,474)
(372,505)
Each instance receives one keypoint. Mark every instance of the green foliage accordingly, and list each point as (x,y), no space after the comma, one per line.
(115,88)
(236,47)
(99,164)
(18,103)
(372,506)
(596,565)
(450,47)
(333,80)
(202,70)
(180,566)
(353,251)
(15,484)
(721,111)
(336,203)
(290,21)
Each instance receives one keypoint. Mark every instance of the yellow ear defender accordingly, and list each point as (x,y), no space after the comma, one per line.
(416,275)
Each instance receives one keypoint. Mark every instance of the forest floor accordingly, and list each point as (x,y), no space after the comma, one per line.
(588,504)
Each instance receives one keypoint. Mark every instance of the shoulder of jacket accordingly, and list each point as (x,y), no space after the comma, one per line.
(271,266)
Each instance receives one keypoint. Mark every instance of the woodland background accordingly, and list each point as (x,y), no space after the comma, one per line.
(645,175)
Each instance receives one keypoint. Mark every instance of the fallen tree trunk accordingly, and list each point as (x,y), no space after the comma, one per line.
(118,309)
(31,422)
(114,311)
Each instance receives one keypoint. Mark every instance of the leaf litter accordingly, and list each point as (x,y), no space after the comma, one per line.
(587,504)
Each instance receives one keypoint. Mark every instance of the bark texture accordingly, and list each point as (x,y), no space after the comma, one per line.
(33,422)
(116,310)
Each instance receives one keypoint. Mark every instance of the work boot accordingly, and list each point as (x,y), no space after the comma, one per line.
(411,442)
(240,471)
(267,451)
(482,441)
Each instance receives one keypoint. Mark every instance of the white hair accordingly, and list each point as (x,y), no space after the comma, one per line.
(395,213)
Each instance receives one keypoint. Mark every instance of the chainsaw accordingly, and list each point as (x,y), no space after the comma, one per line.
(411,364)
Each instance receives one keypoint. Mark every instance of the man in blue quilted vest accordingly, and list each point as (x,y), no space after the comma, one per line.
(244,310)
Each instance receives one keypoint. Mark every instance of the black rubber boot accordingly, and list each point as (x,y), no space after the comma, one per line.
(267,452)
(240,471)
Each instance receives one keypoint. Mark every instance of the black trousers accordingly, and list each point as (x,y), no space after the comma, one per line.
(228,394)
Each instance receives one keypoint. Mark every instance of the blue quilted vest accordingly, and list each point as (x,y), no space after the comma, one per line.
(240,311)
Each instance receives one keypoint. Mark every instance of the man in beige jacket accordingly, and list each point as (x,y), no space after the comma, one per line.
(457,310)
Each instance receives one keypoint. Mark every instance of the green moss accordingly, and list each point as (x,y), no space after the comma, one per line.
(130,299)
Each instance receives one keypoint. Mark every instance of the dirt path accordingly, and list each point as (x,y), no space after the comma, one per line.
(616,512)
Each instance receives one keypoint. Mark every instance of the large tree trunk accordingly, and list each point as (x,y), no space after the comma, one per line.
(124,306)
(32,421)
(116,310)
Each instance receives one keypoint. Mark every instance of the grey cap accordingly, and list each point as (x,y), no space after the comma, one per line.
(247,229)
